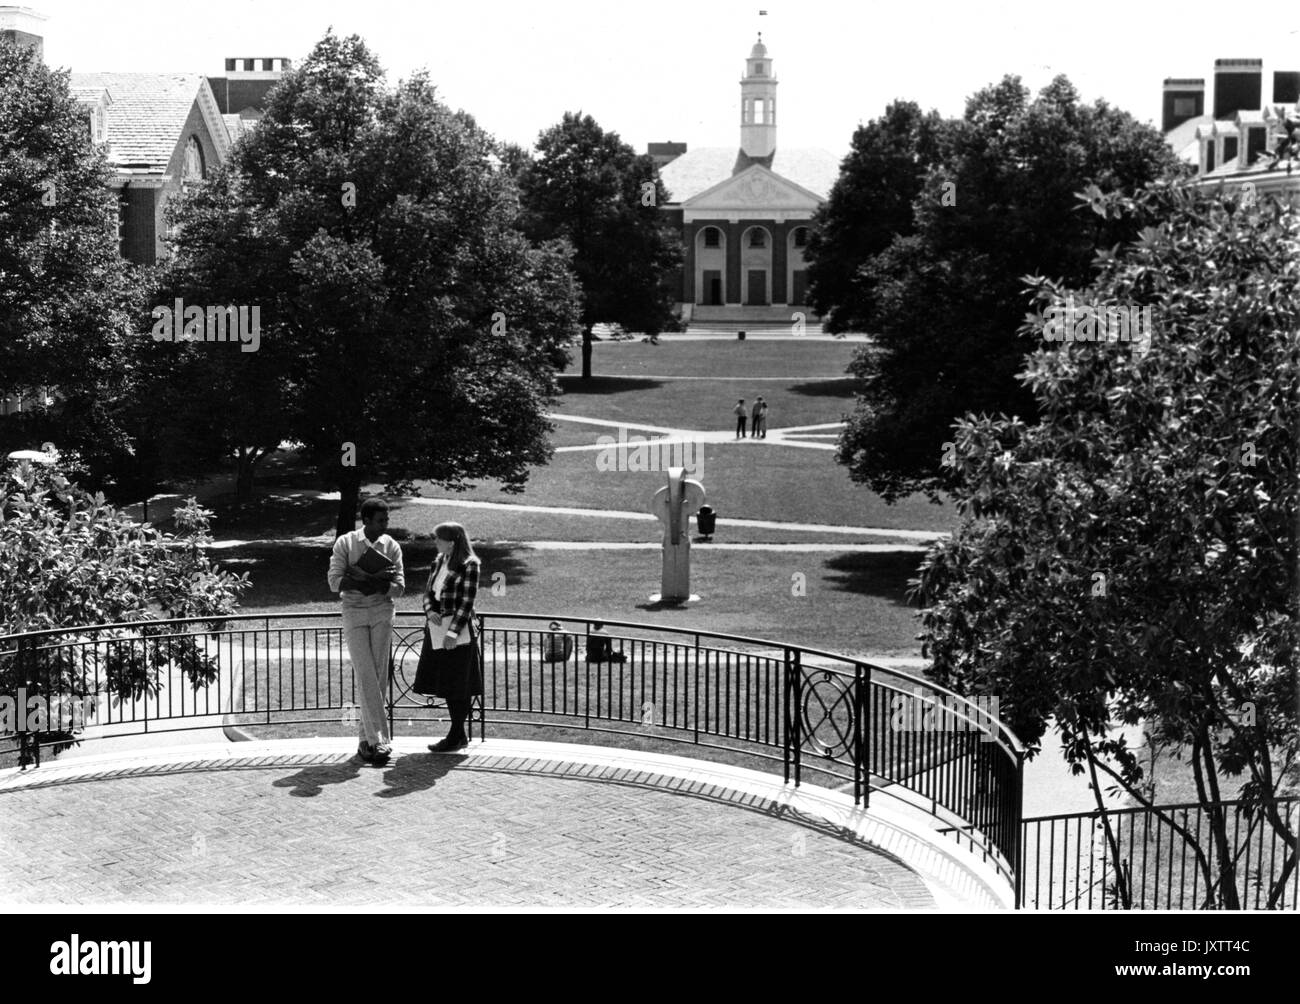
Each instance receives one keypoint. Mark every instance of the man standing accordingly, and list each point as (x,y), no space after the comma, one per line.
(756,419)
(739,411)
(366,571)
(762,419)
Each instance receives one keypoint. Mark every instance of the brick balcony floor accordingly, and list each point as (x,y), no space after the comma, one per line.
(302,822)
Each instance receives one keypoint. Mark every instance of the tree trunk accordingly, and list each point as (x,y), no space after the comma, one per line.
(349,500)
(586,353)
(1123,893)
(246,463)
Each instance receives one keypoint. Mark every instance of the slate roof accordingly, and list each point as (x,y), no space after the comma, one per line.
(147,115)
(1183,141)
(699,170)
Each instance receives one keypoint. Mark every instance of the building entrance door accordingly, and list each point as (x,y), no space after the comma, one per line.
(757,288)
(799,287)
(713,287)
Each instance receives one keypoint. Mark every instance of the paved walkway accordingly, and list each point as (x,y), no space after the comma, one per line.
(508,824)
(792,435)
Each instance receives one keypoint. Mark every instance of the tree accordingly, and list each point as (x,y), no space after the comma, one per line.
(69,560)
(591,189)
(869,205)
(408,329)
(1132,557)
(67,300)
(945,300)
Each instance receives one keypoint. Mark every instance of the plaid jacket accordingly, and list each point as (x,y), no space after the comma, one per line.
(458,594)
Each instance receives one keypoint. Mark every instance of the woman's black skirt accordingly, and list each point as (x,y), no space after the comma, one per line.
(454,674)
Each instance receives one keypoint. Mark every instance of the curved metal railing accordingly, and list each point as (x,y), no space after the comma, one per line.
(874,730)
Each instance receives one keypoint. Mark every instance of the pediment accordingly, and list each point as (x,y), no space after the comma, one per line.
(754,189)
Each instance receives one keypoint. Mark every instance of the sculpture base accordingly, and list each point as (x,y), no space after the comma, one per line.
(673,601)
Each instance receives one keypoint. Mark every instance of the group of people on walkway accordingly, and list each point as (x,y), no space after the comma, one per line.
(759,419)
(366,571)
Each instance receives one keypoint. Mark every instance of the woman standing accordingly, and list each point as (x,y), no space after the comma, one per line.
(449,607)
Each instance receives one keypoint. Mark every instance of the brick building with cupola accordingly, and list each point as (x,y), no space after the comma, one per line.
(744,214)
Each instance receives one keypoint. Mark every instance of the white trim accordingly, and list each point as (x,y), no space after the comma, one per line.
(737,179)
(207,102)
(140,180)
(801,216)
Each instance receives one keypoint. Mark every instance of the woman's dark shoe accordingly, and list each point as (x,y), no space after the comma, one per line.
(450,744)
(366,752)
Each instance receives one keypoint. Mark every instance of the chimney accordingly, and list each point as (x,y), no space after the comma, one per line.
(247,82)
(1184,99)
(1286,87)
(23,25)
(665,153)
(1238,86)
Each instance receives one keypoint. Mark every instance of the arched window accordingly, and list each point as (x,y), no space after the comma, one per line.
(758,238)
(712,237)
(801,237)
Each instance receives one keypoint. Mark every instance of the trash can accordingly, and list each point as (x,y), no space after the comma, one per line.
(740,335)
(706,520)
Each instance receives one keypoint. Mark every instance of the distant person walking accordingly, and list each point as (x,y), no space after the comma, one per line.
(757,427)
(739,412)
(762,418)
(366,571)
(449,611)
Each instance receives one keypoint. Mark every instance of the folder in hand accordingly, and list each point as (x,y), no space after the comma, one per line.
(372,562)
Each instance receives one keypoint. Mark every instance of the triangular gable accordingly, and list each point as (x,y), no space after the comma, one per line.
(755,188)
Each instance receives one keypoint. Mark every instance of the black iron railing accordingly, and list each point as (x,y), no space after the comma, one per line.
(855,726)
(1164,857)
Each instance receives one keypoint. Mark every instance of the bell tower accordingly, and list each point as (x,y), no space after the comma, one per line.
(758,104)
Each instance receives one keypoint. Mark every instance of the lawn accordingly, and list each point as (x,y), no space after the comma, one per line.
(855,603)
(722,358)
(743,480)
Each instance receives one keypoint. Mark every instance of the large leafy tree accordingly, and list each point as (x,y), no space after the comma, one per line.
(1133,556)
(946,298)
(67,300)
(409,331)
(588,187)
(869,205)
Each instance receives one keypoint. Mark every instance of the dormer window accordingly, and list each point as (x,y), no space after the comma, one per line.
(1256,143)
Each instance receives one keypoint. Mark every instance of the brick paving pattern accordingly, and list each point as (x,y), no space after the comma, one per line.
(428,831)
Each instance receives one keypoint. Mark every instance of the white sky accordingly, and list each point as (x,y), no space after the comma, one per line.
(670,69)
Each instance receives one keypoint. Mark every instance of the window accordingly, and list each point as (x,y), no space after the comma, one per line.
(758,69)
(1229,148)
(1184,108)
(758,238)
(712,237)
(801,237)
